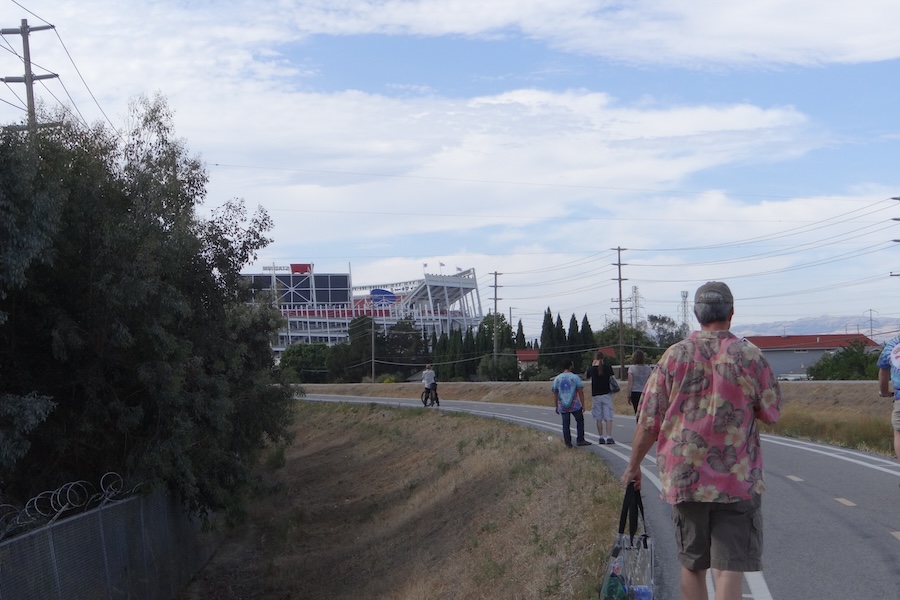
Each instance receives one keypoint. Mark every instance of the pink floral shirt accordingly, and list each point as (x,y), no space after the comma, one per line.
(702,402)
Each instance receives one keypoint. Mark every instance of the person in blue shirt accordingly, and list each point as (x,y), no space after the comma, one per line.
(889,372)
(568,396)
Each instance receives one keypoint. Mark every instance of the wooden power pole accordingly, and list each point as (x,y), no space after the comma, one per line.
(620,264)
(29,77)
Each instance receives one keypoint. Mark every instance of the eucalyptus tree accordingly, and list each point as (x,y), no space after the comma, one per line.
(124,316)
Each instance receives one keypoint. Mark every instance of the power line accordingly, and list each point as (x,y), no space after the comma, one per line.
(86,86)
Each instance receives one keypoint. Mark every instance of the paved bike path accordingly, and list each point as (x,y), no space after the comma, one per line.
(831,518)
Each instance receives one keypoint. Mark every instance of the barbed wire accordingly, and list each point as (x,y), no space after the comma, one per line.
(69,498)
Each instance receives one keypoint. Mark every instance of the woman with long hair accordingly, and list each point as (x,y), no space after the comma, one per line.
(638,373)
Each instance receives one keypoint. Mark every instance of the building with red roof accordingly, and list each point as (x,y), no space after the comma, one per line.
(791,355)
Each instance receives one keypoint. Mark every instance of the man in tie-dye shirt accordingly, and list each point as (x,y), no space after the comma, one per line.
(889,373)
(700,407)
(568,397)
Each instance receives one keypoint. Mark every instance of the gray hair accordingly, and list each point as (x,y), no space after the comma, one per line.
(709,312)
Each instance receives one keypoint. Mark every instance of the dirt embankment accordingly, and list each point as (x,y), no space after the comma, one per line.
(856,396)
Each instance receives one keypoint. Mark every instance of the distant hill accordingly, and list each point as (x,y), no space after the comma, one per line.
(879,329)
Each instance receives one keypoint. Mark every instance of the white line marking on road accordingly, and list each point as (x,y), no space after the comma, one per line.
(896,534)
(840,455)
(758,588)
(845,502)
(794,478)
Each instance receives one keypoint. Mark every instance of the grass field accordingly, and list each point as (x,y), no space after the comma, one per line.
(847,413)
(375,502)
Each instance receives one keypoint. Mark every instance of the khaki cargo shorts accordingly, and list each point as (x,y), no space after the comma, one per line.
(728,537)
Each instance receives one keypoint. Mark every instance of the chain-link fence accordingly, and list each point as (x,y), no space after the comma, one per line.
(144,547)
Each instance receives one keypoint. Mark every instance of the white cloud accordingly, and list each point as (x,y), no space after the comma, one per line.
(537,183)
(682,32)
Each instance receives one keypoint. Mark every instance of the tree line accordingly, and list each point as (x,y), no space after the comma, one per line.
(375,353)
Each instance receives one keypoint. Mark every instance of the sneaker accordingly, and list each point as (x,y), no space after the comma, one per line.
(568,444)
(602,440)
(584,443)
(609,440)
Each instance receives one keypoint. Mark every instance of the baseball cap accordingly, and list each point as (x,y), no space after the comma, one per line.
(713,292)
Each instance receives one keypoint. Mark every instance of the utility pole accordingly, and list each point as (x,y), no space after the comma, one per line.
(897,198)
(620,264)
(29,77)
(496,324)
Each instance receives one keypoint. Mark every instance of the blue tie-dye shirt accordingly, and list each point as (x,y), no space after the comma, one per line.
(890,359)
(567,385)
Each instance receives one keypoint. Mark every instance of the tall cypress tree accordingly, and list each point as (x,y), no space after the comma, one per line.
(573,343)
(456,354)
(471,354)
(545,358)
(443,367)
(587,334)
(559,337)
(520,336)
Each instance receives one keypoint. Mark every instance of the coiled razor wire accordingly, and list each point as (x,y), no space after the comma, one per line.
(69,498)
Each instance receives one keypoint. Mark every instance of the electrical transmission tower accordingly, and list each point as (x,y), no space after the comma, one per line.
(635,307)
(685,315)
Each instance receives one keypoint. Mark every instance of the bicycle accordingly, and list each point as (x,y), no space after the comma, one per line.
(430,397)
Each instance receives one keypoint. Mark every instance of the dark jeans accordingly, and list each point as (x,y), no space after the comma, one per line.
(579,426)
(635,400)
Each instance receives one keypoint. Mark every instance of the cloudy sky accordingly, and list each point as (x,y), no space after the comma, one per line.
(754,142)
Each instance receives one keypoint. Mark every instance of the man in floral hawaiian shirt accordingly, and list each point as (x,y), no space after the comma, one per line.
(700,407)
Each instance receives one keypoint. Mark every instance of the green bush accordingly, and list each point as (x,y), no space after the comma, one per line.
(854,362)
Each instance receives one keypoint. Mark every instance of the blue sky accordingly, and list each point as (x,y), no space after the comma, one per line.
(753,143)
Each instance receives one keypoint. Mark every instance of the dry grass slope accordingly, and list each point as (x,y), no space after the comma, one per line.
(375,502)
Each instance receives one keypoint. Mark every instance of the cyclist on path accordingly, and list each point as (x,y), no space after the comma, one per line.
(430,383)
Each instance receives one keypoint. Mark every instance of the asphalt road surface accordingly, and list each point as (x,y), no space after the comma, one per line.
(831,515)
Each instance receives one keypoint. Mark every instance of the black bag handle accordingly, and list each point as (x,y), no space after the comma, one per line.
(632,506)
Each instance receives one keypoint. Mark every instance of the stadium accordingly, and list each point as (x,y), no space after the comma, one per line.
(319,307)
